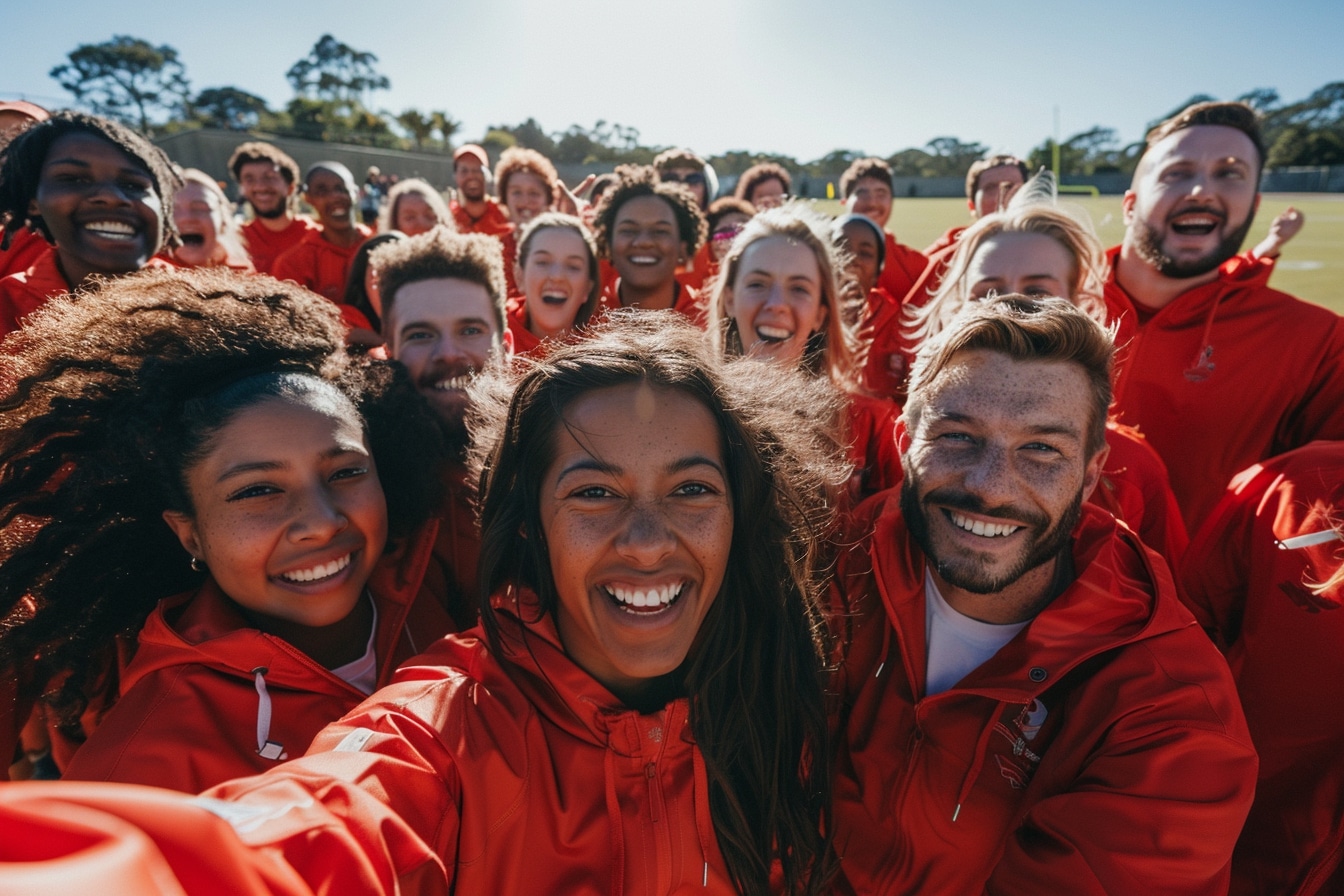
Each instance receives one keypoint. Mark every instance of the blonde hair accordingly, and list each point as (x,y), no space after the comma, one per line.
(1032,210)
(835,350)
(388,216)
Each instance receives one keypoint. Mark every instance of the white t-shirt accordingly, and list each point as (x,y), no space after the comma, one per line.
(362,674)
(958,644)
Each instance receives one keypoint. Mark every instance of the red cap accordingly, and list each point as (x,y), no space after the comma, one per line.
(473,150)
(23,107)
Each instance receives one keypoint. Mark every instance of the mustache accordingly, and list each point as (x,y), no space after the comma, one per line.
(960,500)
(1197,208)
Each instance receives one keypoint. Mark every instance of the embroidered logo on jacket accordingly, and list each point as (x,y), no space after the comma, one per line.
(1021,727)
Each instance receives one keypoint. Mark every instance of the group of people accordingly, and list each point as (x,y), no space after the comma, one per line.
(628,538)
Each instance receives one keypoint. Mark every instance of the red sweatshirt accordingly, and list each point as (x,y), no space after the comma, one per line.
(204,684)
(25,247)
(492,222)
(1229,373)
(901,268)
(1100,751)
(22,294)
(264,245)
(476,773)
(687,301)
(318,264)
(1286,648)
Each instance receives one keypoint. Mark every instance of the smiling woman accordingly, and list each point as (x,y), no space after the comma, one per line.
(642,711)
(281,599)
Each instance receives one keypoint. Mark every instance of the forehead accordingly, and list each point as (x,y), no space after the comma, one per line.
(1203,143)
(999,174)
(783,255)
(637,426)
(260,167)
(312,415)
(651,209)
(859,235)
(871,185)
(194,191)
(91,148)
(328,179)
(558,240)
(442,301)
(1002,393)
(1005,254)
(524,180)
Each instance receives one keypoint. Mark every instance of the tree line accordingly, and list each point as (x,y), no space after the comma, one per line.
(131,80)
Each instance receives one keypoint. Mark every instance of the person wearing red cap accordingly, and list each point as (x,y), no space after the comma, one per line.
(268,179)
(473,209)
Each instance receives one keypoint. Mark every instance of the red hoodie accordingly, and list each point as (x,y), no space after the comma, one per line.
(1102,750)
(1229,373)
(264,245)
(474,773)
(204,684)
(1286,648)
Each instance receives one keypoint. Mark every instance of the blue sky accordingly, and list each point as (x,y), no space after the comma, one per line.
(789,76)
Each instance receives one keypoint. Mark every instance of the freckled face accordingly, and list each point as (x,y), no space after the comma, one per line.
(996,470)
(638,525)
(776,299)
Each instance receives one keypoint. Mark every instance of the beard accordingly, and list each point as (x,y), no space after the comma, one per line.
(271,213)
(965,571)
(1148,243)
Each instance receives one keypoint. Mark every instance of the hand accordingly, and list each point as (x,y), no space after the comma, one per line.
(569,202)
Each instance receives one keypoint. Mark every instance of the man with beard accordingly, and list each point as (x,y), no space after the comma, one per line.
(473,210)
(321,260)
(267,178)
(1217,370)
(443,316)
(1026,705)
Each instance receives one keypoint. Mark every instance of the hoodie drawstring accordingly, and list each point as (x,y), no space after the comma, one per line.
(981,748)
(267,748)
(704,824)
(1203,364)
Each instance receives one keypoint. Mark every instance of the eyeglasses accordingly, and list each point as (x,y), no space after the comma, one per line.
(691,179)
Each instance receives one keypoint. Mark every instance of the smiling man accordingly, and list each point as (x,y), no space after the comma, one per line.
(321,260)
(1219,371)
(1026,704)
(443,316)
(268,179)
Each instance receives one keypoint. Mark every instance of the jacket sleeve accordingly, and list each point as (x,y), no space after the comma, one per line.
(371,809)
(1163,795)
(1321,412)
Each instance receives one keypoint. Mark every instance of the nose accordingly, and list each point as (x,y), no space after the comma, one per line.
(647,539)
(989,475)
(447,349)
(317,516)
(109,192)
(775,297)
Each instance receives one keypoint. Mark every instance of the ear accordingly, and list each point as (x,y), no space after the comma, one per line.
(184,527)
(506,340)
(727,300)
(1127,206)
(33,211)
(970,204)
(1255,209)
(1092,474)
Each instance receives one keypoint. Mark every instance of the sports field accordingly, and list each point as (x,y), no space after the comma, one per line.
(1311,267)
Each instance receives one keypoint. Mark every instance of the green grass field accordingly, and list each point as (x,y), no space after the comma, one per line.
(1311,267)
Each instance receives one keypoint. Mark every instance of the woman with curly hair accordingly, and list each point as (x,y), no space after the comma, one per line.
(641,711)
(97,191)
(647,229)
(779,297)
(274,582)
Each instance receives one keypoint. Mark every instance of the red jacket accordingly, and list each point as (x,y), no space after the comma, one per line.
(457,552)
(493,222)
(687,301)
(871,428)
(264,245)
(1135,488)
(1286,649)
(1228,374)
(190,707)
(318,264)
(22,294)
(901,268)
(1102,750)
(25,247)
(525,342)
(475,773)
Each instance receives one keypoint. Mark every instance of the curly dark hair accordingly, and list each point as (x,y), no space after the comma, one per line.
(860,168)
(107,402)
(22,160)
(754,676)
(355,293)
(633,181)
(257,151)
(758,174)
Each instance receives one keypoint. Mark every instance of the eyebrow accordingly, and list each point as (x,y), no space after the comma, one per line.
(69,160)
(1040,429)
(593,465)
(267,466)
